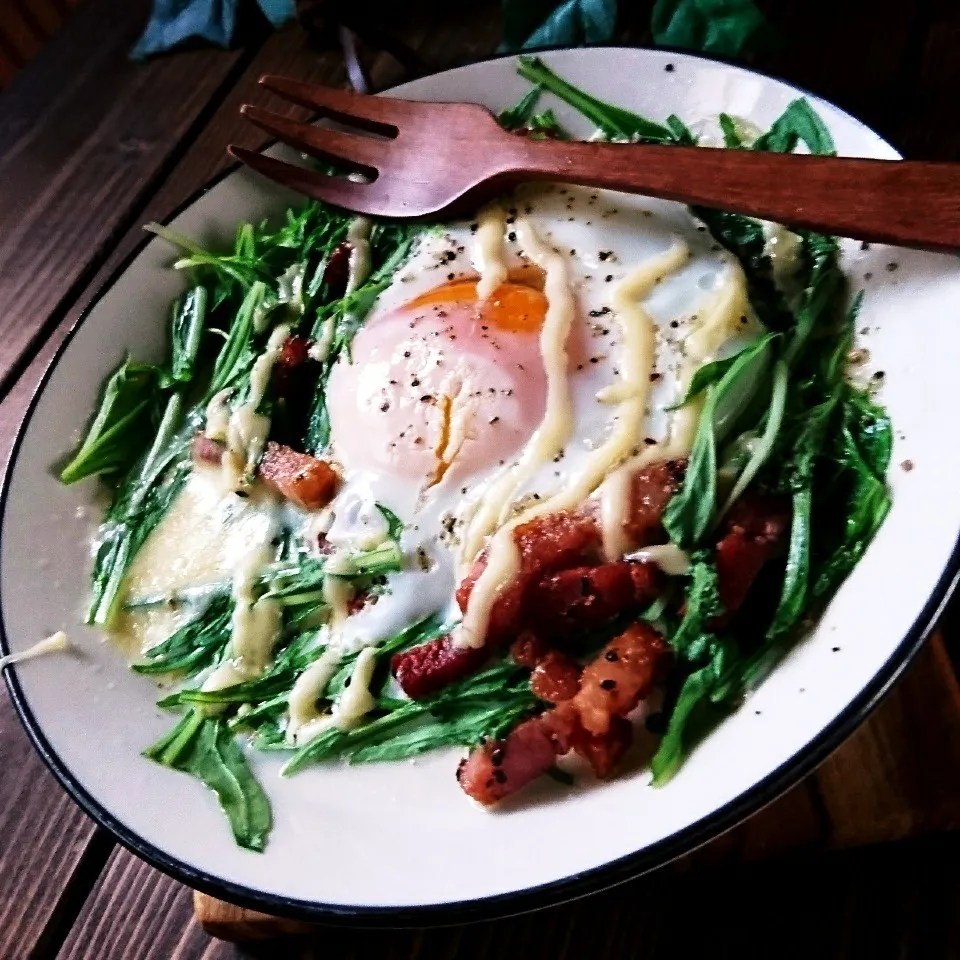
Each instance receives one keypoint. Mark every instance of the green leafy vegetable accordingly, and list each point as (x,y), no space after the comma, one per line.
(116,437)
(206,749)
(798,123)
(614,122)
(194,646)
(394,523)
(725,27)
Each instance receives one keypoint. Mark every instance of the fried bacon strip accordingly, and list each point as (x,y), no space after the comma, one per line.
(754,531)
(593,722)
(305,480)
(562,585)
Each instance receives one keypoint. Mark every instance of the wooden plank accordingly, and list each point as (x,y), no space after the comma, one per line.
(135,911)
(77,114)
(70,184)
(905,781)
(49,851)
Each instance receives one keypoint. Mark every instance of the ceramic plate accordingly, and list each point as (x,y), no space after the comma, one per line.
(400,843)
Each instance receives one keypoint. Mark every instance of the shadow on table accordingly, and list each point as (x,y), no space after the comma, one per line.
(901,900)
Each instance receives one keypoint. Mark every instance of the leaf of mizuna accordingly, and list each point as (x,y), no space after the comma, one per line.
(205,748)
(189,317)
(715,371)
(731,135)
(614,122)
(669,756)
(394,523)
(793,594)
(690,510)
(236,354)
(519,115)
(123,425)
(534,24)
(689,514)
(862,454)
(703,603)
(725,27)
(798,123)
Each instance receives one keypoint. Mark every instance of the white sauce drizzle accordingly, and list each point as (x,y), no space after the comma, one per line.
(487,250)
(503,557)
(636,364)
(719,320)
(670,558)
(358,269)
(358,236)
(218,415)
(302,724)
(247,430)
(356,701)
(556,426)
(58,642)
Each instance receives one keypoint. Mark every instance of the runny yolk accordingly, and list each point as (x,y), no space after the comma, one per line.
(513,307)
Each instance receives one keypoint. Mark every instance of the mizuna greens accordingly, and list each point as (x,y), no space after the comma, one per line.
(807,432)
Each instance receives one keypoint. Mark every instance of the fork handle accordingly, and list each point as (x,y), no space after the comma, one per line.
(903,202)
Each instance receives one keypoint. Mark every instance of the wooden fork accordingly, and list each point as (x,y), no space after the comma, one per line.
(431,158)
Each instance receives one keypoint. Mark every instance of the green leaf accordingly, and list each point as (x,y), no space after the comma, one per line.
(187,324)
(798,123)
(196,645)
(729,28)
(731,135)
(206,749)
(520,114)
(716,370)
(394,523)
(703,603)
(690,511)
(117,437)
(613,122)
(533,24)
(236,355)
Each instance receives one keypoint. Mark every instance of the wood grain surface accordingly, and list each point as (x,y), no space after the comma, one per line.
(90,147)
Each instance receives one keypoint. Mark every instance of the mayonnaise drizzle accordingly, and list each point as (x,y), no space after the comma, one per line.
(59,642)
(719,319)
(358,236)
(247,430)
(670,558)
(358,269)
(503,557)
(637,362)
(302,724)
(487,250)
(557,424)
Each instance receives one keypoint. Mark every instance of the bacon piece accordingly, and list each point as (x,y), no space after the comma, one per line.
(593,723)
(603,751)
(336,273)
(556,677)
(583,597)
(205,450)
(307,481)
(546,544)
(293,381)
(651,489)
(431,666)
(293,361)
(756,530)
(501,767)
(620,677)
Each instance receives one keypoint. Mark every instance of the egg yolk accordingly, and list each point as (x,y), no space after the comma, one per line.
(513,307)
(443,388)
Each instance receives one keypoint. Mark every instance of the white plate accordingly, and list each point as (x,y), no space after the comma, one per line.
(401,843)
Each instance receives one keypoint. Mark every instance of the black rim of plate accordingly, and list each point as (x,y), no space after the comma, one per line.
(594,880)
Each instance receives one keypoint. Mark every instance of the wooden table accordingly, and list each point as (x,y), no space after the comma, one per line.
(91,146)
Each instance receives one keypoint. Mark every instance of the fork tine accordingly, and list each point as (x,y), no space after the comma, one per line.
(376,114)
(335,190)
(322,142)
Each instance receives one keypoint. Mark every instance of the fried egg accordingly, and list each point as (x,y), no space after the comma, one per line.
(459,412)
